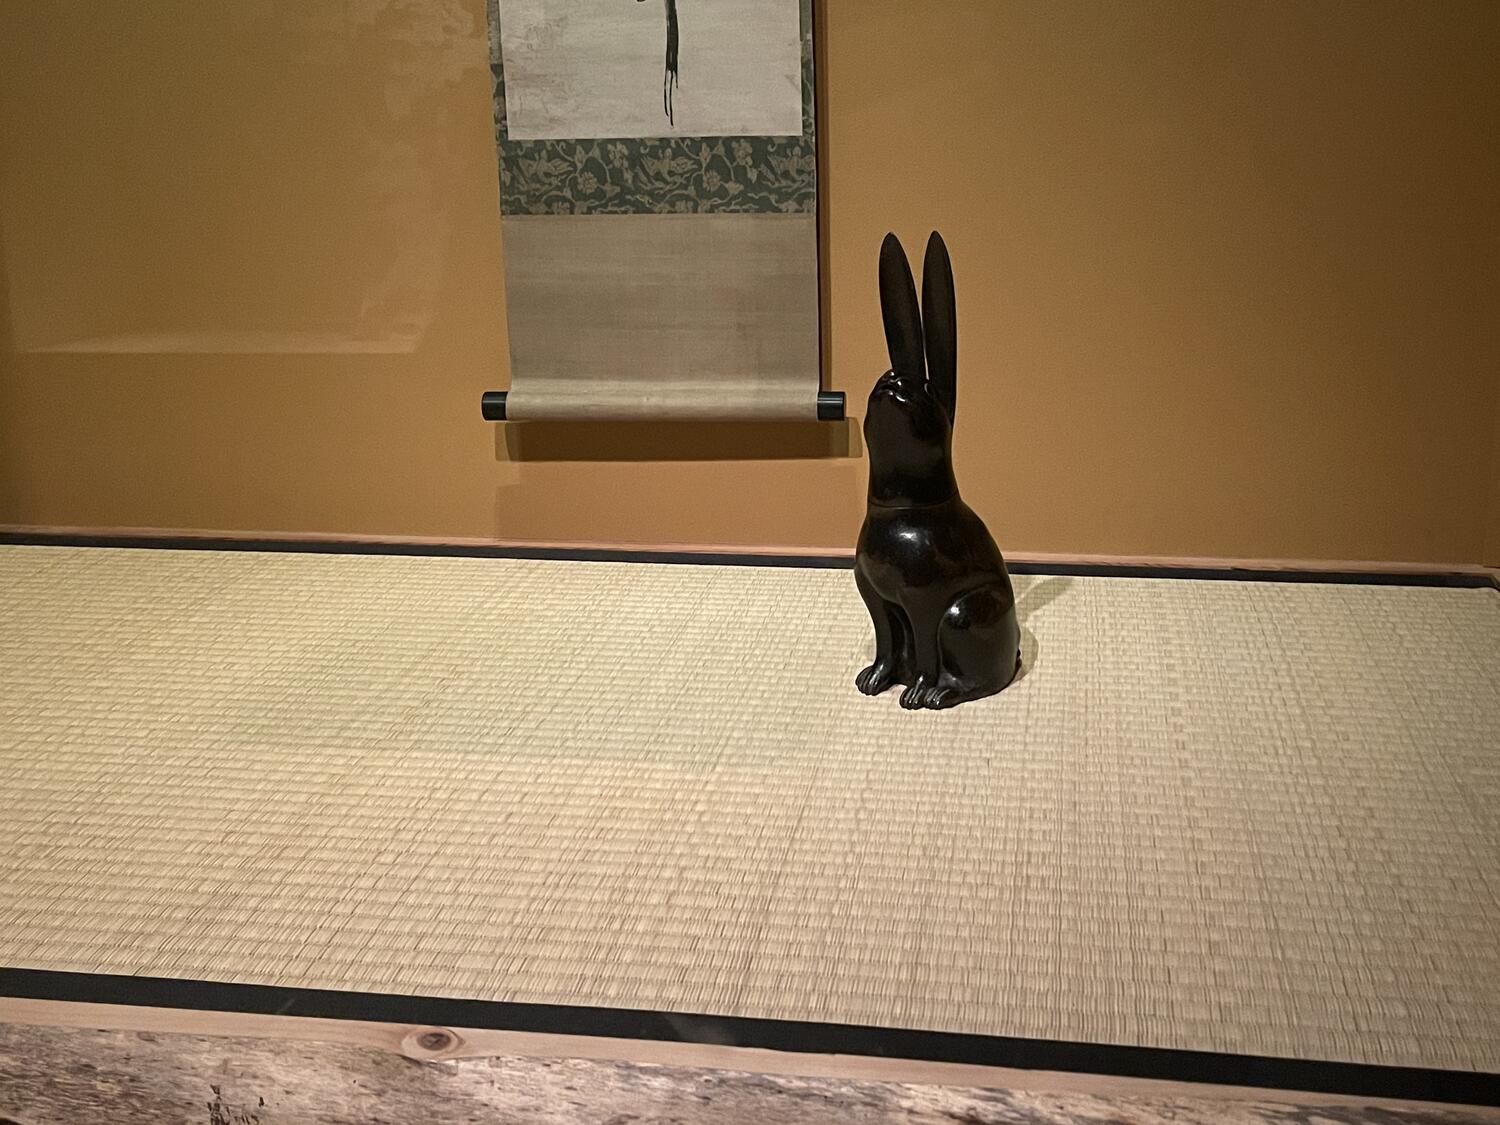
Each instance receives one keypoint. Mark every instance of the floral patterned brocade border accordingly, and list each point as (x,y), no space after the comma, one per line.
(658,175)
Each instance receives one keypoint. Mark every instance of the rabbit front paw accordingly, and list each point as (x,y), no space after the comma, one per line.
(920,694)
(877,677)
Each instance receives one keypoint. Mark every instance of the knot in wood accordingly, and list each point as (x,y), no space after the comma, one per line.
(430,1043)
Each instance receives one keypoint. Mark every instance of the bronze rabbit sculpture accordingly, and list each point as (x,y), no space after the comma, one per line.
(929,572)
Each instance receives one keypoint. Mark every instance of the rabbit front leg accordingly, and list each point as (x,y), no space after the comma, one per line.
(925,663)
(892,641)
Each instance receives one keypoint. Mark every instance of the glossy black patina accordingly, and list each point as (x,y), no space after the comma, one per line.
(929,571)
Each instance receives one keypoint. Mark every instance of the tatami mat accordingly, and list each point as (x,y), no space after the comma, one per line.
(1246,817)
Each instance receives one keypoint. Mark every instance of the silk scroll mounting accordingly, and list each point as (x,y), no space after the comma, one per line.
(658,196)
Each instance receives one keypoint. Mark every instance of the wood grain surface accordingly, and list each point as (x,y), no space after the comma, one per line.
(63,1076)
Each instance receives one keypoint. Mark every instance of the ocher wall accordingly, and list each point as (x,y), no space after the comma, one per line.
(1492,542)
(1227,275)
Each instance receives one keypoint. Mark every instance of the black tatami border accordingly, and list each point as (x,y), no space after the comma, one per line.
(1352,1079)
(1448,579)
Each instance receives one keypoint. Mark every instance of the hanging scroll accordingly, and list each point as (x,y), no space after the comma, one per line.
(658,200)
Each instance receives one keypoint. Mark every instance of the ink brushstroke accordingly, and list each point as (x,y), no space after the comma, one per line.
(669,75)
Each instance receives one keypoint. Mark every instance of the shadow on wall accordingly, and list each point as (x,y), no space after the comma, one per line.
(677,441)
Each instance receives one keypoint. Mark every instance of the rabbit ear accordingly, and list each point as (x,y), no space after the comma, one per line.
(940,318)
(898,307)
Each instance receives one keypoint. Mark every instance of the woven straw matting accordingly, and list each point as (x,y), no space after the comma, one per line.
(1245,817)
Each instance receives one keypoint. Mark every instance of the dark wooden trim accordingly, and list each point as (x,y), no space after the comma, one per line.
(438,550)
(1204,570)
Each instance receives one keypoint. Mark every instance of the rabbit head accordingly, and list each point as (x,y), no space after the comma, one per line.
(909,420)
